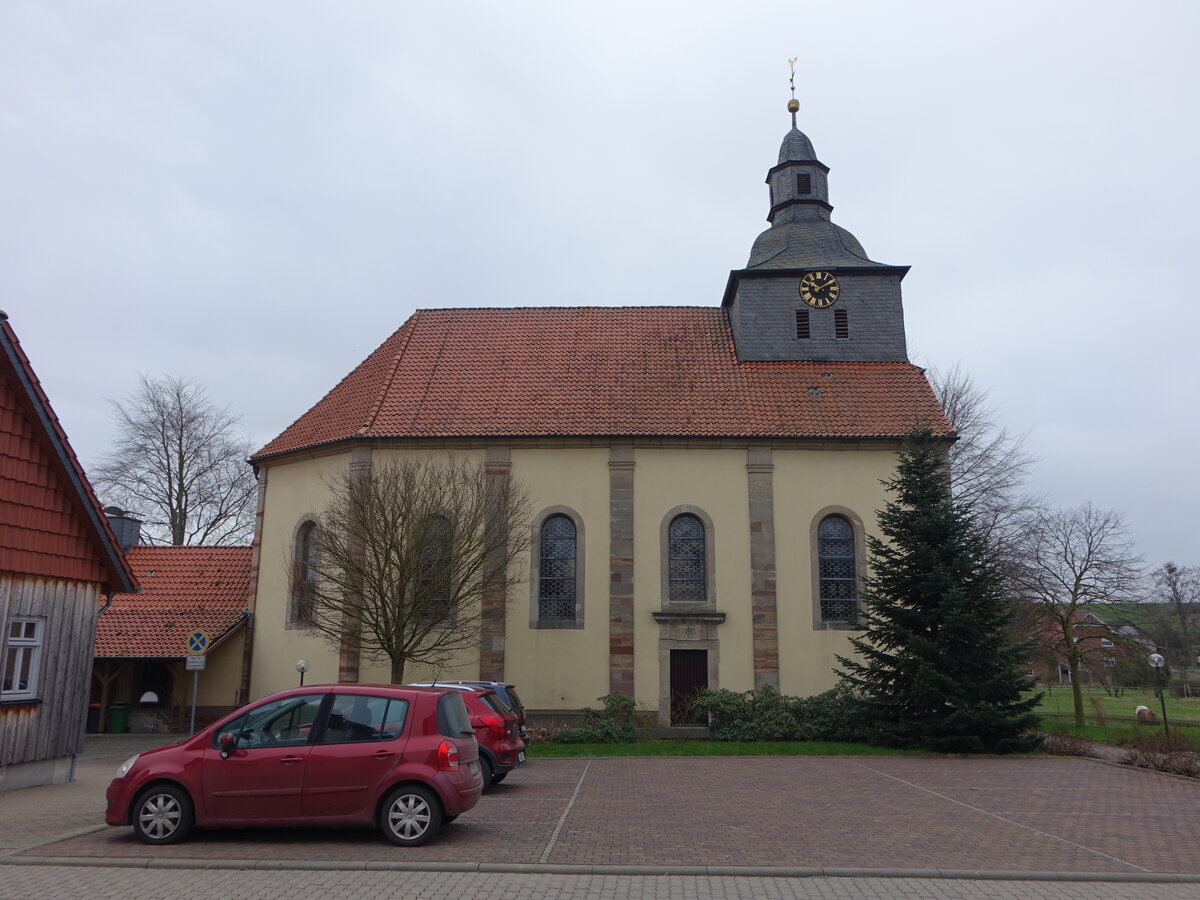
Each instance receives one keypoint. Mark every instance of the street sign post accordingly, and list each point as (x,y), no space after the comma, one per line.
(197,644)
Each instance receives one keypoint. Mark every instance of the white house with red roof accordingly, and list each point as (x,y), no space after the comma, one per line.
(702,477)
(59,563)
(142,639)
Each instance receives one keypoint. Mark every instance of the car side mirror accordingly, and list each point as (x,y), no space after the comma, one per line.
(228,744)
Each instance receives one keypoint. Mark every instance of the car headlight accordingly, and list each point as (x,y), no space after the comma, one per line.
(127,765)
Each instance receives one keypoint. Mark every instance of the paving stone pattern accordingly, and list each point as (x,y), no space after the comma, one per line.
(1026,815)
(67,883)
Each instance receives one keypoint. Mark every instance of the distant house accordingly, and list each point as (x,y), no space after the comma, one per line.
(59,562)
(141,640)
(1106,646)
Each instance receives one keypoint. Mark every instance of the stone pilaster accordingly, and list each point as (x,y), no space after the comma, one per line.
(252,600)
(620,597)
(348,651)
(760,482)
(498,469)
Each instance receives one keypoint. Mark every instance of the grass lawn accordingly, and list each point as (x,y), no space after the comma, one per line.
(714,748)
(1058,704)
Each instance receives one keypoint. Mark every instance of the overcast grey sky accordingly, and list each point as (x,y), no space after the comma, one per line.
(255,194)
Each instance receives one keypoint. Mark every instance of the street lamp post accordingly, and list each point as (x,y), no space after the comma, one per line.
(1156,663)
(302,667)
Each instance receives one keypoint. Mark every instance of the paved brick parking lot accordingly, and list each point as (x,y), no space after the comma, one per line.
(1027,815)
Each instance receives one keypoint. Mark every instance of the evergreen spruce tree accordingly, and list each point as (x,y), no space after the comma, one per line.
(935,665)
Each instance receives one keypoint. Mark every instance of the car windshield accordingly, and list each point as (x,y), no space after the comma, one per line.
(453,720)
(494,701)
(513,700)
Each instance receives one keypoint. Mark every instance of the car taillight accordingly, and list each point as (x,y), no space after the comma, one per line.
(495,723)
(447,756)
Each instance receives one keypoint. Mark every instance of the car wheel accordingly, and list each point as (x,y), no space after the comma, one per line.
(489,773)
(410,816)
(496,779)
(162,814)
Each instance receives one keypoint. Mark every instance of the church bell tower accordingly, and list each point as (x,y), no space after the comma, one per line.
(809,291)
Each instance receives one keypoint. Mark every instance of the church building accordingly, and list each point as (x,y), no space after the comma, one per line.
(702,477)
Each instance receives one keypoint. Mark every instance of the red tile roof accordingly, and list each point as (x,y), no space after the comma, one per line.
(51,524)
(183,589)
(603,371)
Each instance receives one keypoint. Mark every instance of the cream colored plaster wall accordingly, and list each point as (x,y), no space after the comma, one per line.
(563,668)
(715,481)
(807,481)
(296,489)
(222,676)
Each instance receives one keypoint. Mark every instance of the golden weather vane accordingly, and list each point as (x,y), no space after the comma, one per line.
(793,104)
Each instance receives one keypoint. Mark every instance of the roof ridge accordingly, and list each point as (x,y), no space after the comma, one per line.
(387,382)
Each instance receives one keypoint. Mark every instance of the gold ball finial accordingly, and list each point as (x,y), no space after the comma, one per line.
(793,105)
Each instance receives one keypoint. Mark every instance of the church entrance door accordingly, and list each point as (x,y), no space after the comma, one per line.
(689,676)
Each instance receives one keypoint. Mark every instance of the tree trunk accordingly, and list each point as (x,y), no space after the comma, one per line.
(398,671)
(1076,687)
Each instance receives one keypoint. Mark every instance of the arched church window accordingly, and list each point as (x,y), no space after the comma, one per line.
(435,567)
(304,586)
(556,569)
(686,563)
(838,572)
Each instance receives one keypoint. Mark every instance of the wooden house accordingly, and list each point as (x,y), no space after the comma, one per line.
(59,564)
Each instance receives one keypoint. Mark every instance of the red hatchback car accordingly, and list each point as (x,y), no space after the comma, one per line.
(403,758)
(497,728)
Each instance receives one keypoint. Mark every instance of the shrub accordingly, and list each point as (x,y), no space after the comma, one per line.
(1062,744)
(759,715)
(831,716)
(764,714)
(1178,754)
(614,724)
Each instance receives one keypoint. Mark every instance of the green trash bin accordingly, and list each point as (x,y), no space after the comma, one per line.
(118,718)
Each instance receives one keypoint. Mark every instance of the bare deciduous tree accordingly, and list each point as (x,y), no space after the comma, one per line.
(988,463)
(408,552)
(1178,588)
(179,464)
(1071,560)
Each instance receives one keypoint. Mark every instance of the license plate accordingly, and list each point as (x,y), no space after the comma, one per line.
(521,756)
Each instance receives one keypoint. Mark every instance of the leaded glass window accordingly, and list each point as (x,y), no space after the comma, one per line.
(434,568)
(304,595)
(839,583)
(686,563)
(556,572)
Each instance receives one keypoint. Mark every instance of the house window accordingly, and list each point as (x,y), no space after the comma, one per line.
(432,585)
(841,324)
(686,560)
(304,588)
(803,184)
(557,569)
(22,659)
(1105,642)
(803,330)
(837,569)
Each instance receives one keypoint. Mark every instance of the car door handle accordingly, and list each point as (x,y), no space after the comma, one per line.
(288,760)
(382,754)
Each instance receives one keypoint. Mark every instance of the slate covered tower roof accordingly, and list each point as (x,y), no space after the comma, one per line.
(773,312)
(802,233)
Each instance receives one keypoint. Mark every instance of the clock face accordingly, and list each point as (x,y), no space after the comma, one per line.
(819,289)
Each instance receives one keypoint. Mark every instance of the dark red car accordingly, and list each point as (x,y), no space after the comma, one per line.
(497,728)
(403,758)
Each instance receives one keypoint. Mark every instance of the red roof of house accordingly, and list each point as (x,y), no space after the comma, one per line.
(183,589)
(51,524)
(604,371)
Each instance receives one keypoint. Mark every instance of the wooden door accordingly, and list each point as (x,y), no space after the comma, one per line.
(689,676)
